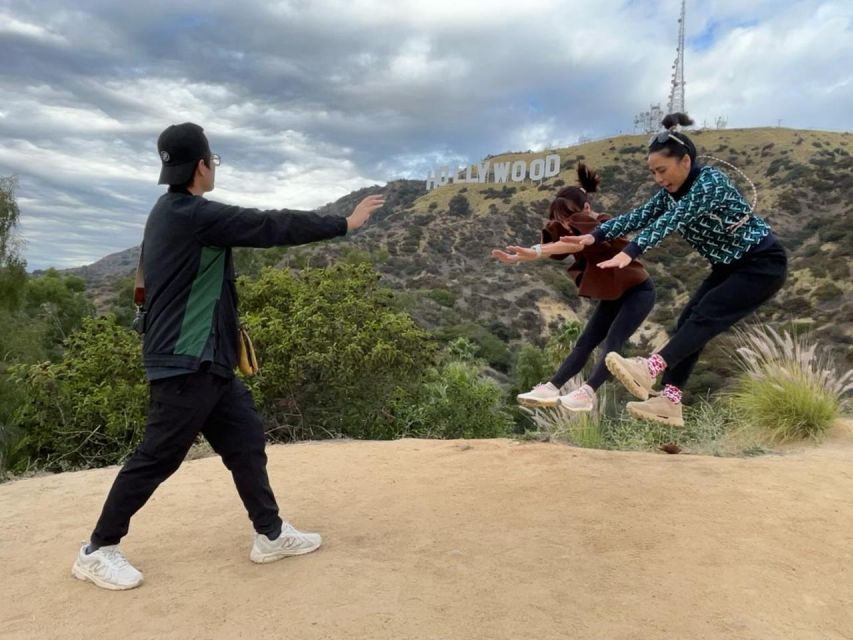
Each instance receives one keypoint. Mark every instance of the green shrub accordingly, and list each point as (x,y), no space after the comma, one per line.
(455,402)
(827,291)
(561,343)
(86,410)
(490,348)
(459,206)
(832,233)
(462,350)
(443,297)
(785,405)
(706,426)
(531,367)
(333,352)
(503,331)
(494,351)
(558,424)
(790,388)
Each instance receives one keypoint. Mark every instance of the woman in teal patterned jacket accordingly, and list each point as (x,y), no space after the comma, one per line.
(748,265)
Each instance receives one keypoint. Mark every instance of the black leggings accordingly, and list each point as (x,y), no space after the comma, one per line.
(613,322)
(729,294)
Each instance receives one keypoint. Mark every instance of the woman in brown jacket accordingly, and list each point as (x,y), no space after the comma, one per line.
(626,296)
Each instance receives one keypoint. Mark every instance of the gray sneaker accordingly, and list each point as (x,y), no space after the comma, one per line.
(107,568)
(291,542)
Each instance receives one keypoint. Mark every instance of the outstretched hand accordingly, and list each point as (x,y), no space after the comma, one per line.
(506,258)
(619,261)
(363,210)
(524,254)
(515,254)
(584,240)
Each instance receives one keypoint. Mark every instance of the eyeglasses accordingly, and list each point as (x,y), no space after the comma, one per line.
(215,159)
(663,136)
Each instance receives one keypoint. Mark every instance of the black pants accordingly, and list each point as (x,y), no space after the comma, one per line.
(729,294)
(612,322)
(180,408)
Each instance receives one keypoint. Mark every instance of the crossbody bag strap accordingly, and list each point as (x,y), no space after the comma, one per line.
(139,297)
(139,282)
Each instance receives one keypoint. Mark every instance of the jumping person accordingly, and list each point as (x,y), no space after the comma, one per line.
(748,265)
(625,297)
(190,351)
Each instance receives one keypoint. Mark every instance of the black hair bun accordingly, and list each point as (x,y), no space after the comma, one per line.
(674,119)
(587,178)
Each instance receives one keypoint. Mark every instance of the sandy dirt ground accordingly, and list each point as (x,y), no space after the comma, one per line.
(456,539)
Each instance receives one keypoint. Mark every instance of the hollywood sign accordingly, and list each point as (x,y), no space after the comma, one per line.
(517,171)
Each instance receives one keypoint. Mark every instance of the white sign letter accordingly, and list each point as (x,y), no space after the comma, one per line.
(501,171)
(431,181)
(537,169)
(519,169)
(483,171)
(444,176)
(552,165)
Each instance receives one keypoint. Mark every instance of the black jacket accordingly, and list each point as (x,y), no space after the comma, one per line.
(190,293)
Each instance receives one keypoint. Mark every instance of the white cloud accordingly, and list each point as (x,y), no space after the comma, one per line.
(795,67)
(9,24)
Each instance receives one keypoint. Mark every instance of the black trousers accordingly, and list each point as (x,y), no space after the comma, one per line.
(180,408)
(612,322)
(730,293)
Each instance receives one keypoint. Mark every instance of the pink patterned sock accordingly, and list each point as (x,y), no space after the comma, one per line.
(656,364)
(672,393)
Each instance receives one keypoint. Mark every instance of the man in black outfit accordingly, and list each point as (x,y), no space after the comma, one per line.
(190,351)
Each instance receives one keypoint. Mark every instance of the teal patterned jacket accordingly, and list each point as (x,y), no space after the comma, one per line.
(712,216)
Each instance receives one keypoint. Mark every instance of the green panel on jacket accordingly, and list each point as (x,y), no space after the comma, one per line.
(198,316)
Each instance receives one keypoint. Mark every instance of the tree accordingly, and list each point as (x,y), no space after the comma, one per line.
(18,336)
(333,352)
(459,206)
(60,302)
(13,274)
(86,410)
(562,342)
(531,368)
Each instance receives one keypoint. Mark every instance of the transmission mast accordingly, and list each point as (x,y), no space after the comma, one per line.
(648,121)
(676,93)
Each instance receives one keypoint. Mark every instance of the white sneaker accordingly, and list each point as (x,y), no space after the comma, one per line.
(291,542)
(107,567)
(581,399)
(542,395)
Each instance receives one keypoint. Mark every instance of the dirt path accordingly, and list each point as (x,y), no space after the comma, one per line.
(450,539)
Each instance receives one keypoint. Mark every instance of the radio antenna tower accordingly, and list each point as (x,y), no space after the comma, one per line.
(676,94)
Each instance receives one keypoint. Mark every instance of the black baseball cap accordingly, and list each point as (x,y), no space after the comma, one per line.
(181,146)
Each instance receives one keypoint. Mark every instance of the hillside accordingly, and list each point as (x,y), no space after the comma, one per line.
(434,247)
(483,539)
(437,249)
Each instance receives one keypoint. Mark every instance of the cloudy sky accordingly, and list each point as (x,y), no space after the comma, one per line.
(307,100)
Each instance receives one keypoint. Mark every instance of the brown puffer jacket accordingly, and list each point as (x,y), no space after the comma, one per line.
(591,281)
